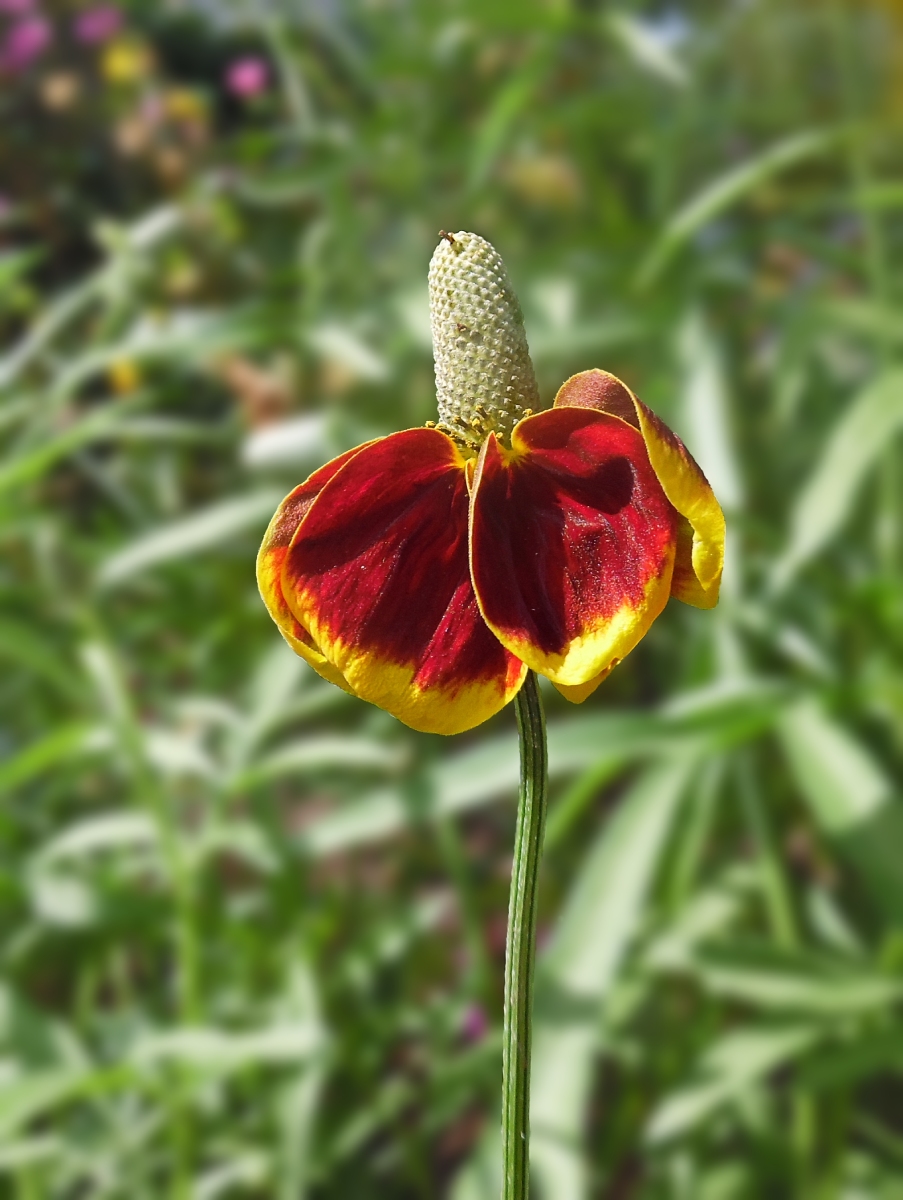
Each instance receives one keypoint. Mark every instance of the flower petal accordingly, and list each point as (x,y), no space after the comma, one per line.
(378,573)
(700,548)
(271,556)
(572,542)
(579,692)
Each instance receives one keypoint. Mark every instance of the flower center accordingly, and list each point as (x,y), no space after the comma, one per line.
(484,377)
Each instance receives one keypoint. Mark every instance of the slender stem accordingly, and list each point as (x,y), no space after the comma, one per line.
(520,951)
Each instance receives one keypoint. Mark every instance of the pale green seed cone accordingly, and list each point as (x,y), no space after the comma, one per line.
(484,376)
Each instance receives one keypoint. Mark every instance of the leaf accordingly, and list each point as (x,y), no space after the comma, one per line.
(344,344)
(142,235)
(46,754)
(850,798)
(99,423)
(25,1153)
(867,317)
(218,1050)
(305,755)
(15,265)
(604,742)
(839,780)
(707,406)
(709,912)
(38,1093)
(242,1172)
(868,1052)
(826,500)
(200,531)
(188,336)
(507,104)
(794,985)
(726,190)
(648,49)
(278,676)
(729,1069)
(302,440)
(109,831)
(588,947)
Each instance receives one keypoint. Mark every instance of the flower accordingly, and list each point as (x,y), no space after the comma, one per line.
(126,61)
(124,376)
(60,90)
(25,42)
(15,8)
(426,571)
(475,1023)
(96,25)
(247,77)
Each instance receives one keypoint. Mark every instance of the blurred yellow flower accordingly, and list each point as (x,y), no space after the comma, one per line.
(124,376)
(183,104)
(546,180)
(126,60)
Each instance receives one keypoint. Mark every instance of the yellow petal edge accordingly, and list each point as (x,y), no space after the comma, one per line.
(700,541)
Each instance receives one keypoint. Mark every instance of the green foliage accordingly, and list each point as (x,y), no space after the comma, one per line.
(252,929)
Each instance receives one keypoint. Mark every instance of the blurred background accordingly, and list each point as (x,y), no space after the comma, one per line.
(253,929)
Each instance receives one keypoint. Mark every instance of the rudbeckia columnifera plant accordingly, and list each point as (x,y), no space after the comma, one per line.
(433,572)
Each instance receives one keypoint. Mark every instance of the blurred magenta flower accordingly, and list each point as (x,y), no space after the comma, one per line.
(475,1024)
(15,8)
(25,42)
(96,25)
(248,76)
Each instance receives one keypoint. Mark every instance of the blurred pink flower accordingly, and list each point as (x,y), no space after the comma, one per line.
(475,1024)
(15,8)
(96,25)
(25,42)
(248,76)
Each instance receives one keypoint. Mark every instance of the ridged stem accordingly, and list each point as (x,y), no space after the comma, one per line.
(520,950)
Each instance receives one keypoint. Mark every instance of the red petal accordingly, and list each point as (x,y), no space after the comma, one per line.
(378,573)
(572,542)
(271,557)
(700,547)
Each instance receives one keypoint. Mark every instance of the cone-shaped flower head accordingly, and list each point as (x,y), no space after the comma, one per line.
(426,571)
(484,375)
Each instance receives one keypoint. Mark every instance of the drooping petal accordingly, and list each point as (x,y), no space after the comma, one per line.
(378,573)
(579,692)
(700,544)
(271,556)
(572,543)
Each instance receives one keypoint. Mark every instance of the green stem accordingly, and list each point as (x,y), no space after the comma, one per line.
(520,951)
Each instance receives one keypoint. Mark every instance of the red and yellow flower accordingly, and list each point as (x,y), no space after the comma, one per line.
(427,571)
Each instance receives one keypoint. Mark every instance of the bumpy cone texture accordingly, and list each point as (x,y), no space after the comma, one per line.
(484,376)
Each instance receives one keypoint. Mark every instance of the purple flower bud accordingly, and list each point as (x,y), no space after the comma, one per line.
(97,25)
(25,42)
(247,77)
(475,1024)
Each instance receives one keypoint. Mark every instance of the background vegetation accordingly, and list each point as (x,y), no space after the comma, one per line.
(252,929)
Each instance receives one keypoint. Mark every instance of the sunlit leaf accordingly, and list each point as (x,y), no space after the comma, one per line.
(826,500)
(726,190)
(728,1070)
(198,532)
(587,949)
